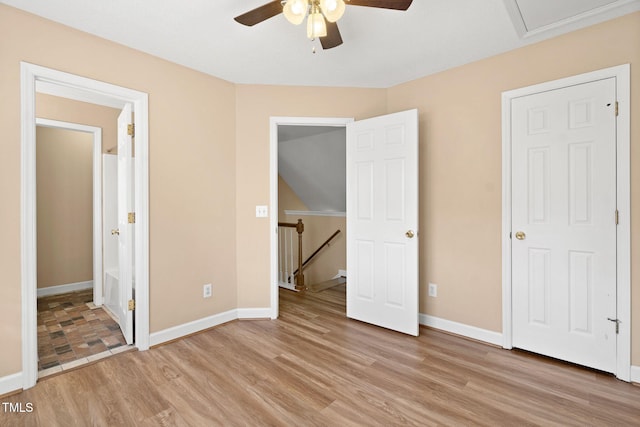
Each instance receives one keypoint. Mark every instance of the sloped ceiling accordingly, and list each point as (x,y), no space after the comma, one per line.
(312,160)
(381,48)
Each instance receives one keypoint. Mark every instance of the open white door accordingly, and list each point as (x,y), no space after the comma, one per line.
(125,227)
(382,221)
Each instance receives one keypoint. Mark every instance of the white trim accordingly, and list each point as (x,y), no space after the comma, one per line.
(622,75)
(274,122)
(289,286)
(10,383)
(180,331)
(189,328)
(97,196)
(461,329)
(30,75)
(635,374)
(78,94)
(63,289)
(254,313)
(315,213)
(341,273)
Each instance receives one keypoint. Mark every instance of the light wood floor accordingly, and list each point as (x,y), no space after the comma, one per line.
(314,367)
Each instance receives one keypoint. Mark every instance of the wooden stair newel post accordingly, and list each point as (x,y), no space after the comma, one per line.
(299,279)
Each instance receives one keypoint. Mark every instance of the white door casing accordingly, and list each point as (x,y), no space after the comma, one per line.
(274,122)
(382,221)
(35,78)
(579,156)
(125,227)
(563,216)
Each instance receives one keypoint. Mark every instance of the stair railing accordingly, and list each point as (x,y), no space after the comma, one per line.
(285,249)
(326,243)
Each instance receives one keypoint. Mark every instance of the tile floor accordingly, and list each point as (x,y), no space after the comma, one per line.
(72,331)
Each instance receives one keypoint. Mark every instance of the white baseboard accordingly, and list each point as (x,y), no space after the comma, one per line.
(192,327)
(289,286)
(635,374)
(485,335)
(10,383)
(341,273)
(473,332)
(206,323)
(254,313)
(63,289)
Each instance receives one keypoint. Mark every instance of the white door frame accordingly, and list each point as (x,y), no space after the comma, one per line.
(97,195)
(623,185)
(35,78)
(274,122)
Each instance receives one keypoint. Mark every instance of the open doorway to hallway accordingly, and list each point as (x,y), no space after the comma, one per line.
(310,186)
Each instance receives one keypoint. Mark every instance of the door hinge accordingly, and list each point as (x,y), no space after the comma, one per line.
(616,108)
(617,322)
(132,305)
(617,217)
(131,217)
(131,129)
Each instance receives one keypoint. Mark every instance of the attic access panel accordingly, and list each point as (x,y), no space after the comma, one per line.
(532,17)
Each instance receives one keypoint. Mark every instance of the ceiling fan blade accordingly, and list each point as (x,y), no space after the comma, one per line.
(383,4)
(260,14)
(333,37)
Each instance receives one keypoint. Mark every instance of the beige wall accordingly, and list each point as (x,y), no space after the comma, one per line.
(209,167)
(192,170)
(460,164)
(254,106)
(51,271)
(67,110)
(64,186)
(317,229)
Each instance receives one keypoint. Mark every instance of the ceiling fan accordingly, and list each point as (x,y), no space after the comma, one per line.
(321,15)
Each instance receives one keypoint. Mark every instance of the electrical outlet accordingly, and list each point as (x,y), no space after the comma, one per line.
(207,291)
(433,290)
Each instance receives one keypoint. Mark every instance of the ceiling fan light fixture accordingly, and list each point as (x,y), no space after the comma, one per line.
(316,26)
(295,11)
(332,9)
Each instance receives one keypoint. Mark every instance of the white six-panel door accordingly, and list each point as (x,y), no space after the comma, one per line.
(564,223)
(125,238)
(382,221)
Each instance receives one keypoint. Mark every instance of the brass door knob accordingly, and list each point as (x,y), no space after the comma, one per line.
(520,235)
(409,234)
(115,231)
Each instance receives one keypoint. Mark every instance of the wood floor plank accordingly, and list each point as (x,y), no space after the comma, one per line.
(315,367)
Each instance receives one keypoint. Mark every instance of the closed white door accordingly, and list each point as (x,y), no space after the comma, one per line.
(564,223)
(125,227)
(382,221)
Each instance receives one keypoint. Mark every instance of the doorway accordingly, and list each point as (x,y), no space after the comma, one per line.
(92,203)
(34,79)
(74,326)
(566,177)
(275,123)
(382,216)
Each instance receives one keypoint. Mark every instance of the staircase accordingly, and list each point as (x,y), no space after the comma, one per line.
(318,287)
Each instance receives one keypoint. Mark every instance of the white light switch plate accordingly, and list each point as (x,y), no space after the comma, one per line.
(262,211)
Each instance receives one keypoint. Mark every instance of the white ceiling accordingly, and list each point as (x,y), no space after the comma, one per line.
(381,48)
